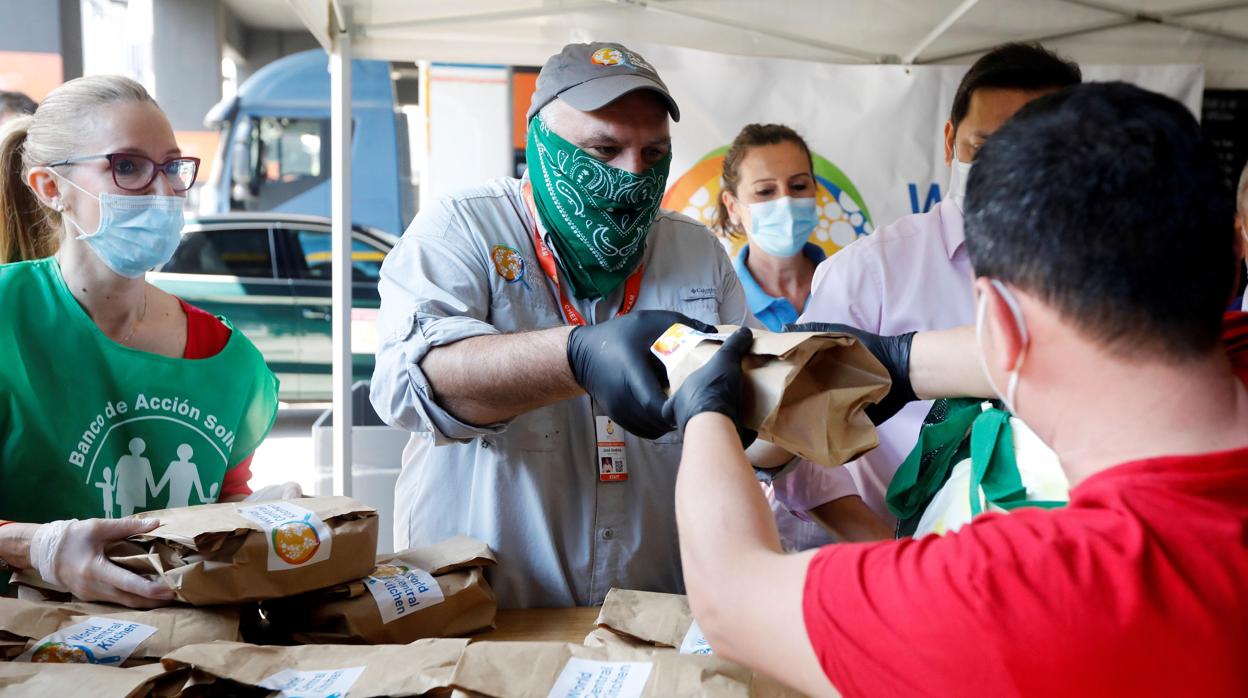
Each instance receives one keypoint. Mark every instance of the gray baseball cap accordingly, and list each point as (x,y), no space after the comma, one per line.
(591,76)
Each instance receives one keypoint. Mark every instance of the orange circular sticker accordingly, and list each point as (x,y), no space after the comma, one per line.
(607,56)
(508,263)
(389,571)
(60,653)
(295,542)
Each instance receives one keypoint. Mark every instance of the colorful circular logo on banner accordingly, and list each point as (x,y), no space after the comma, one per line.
(843,215)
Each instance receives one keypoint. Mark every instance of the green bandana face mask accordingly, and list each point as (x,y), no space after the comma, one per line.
(598,216)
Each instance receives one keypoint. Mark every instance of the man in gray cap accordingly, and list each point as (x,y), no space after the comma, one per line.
(515,328)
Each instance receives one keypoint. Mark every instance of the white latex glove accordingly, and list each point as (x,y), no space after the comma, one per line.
(286,490)
(71,554)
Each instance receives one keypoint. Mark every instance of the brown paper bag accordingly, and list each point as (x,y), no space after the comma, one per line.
(26,680)
(650,619)
(399,602)
(245,551)
(541,669)
(804,392)
(24,623)
(232,668)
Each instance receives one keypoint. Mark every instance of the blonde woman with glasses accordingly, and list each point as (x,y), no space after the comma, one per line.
(115,397)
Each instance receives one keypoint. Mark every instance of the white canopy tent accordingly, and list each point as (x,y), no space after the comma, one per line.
(525,32)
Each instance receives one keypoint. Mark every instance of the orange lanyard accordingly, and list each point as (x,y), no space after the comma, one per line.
(632,287)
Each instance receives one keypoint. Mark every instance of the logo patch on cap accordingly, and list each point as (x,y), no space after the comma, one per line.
(608,57)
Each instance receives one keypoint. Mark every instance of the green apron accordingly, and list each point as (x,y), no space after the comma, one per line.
(93,429)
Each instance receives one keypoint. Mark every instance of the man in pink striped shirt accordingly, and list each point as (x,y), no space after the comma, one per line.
(913,275)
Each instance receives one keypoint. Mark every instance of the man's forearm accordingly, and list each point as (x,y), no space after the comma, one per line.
(490,379)
(719,506)
(945,363)
(744,591)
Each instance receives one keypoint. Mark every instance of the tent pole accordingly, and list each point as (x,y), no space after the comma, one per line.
(1172,19)
(340,246)
(939,30)
(1041,38)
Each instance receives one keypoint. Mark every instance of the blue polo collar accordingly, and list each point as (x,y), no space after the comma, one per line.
(755,297)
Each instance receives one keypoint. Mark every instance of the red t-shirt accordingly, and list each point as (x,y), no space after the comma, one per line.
(1138,587)
(205,336)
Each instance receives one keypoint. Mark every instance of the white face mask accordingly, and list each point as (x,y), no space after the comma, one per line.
(958,173)
(136,233)
(1010,397)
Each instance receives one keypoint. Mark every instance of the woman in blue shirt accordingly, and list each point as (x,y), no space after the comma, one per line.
(768,197)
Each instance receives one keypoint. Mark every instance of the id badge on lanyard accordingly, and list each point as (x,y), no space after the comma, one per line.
(612,461)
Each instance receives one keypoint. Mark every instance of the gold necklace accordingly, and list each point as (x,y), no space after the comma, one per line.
(135,327)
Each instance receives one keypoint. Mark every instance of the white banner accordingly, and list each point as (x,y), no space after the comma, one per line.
(876,131)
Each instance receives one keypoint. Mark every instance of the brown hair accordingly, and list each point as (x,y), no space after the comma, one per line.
(28,228)
(750,137)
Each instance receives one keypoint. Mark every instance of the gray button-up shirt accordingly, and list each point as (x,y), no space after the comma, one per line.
(529,488)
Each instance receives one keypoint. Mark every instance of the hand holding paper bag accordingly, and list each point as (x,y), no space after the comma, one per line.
(611,362)
(804,392)
(893,351)
(716,387)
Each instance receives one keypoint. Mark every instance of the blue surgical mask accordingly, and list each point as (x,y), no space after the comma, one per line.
(780,227)
(136,233)
(958,174)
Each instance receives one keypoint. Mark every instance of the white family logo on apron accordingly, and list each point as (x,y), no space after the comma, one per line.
(94,641)
(400,590)
(587,678)
(325,683)
(296,536)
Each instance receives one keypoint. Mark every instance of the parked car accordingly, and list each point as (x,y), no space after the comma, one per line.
(269,274)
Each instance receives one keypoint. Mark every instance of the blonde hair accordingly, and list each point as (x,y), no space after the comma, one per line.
(28,228)
(1241,194)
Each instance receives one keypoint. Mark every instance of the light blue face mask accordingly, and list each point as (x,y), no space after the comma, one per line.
(780,227)
(136,233)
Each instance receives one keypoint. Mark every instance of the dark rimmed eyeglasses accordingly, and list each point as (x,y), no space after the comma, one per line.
(136,172)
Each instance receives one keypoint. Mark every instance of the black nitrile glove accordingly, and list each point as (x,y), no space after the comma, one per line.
(716,387)
(613,363)
(891,350)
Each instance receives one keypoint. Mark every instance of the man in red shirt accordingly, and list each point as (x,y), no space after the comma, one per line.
(1102,241)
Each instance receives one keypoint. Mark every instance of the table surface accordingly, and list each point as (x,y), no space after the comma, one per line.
(545,624)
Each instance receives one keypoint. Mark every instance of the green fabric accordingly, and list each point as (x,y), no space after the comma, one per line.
(994,467)
(966,431)
(598,216)
(91,428)
(925,470)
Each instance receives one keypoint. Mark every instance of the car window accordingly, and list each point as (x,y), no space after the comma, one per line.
(230,252)
(314,250)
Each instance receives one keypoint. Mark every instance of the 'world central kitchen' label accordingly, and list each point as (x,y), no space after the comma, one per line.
(296,536)
(401,591)
(326,683)
(587,678)
(94,641)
